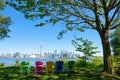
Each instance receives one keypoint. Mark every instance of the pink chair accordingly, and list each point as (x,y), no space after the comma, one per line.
(39,67)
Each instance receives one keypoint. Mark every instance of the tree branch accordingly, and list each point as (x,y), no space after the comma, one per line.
(115,26)
(111,4)
(112,7)
(114,14)
(87,4)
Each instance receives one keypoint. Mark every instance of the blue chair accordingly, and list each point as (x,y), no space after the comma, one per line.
(59,66)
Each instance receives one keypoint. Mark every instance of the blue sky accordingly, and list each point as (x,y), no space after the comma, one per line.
(26,38)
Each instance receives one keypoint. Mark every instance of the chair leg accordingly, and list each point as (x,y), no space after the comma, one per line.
(52,72)
(20,73)
(46,71)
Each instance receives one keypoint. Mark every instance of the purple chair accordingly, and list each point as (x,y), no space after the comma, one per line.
(39,67)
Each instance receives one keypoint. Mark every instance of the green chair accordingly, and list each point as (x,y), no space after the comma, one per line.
(71,66)
(25,68)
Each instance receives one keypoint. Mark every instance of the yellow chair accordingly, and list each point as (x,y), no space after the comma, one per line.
(49,66)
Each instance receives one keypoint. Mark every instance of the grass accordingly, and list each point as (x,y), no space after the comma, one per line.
(83,73)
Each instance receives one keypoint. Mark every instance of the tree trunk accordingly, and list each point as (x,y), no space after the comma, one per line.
(108,65)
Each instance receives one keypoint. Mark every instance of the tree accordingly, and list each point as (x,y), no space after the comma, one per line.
(115,41)
(4,22)
(85,47)
(99,15)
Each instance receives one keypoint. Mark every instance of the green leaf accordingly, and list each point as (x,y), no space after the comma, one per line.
(69,27)
(41,24)
(80,29)
(60,35)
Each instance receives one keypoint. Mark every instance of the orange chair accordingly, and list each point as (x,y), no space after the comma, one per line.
(49,67)
(39,67)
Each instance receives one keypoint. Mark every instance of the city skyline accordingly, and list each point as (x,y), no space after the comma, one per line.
(45,55)
(26,38)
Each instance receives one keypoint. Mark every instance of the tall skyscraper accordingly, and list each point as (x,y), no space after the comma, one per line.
(40,51)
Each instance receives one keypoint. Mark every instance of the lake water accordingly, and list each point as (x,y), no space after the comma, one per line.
(11,61)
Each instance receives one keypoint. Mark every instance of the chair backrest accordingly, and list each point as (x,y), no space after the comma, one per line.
(24,63)
(49,63)
(70,65)
(39,63)
(39,66)
(59,66)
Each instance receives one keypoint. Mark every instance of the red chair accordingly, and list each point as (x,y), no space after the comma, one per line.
(39,67)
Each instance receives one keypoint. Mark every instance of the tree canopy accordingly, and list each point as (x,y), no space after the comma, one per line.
(73,13)
(115,41)
(4,22)
(99,15)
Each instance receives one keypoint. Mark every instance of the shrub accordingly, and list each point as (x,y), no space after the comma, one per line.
(80,63)
(65,63)
(2,65)
(96,63)
(116,61)
(17,62)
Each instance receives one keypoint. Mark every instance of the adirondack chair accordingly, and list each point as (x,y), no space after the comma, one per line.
(59,66)
(39,67)
(49,67)
(71,66)
(25,68)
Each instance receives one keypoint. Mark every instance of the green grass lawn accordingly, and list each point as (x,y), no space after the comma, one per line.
(13,73)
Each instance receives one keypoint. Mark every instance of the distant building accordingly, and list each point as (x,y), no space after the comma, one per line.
(17,55)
